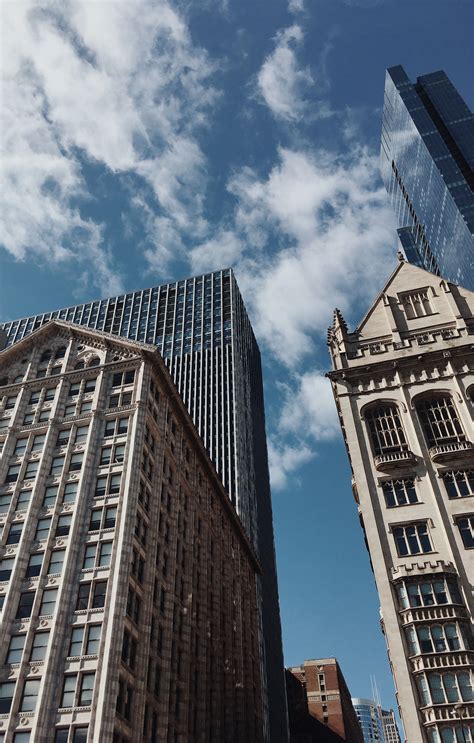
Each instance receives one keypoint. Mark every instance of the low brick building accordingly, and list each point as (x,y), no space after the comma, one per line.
(328,698)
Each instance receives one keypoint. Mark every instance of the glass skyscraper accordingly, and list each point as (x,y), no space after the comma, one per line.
(202,330)
(369,715)
(427,159)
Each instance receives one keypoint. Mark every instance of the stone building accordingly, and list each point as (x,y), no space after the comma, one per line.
(328,697)
(128,585)
(404,383)
(390,727)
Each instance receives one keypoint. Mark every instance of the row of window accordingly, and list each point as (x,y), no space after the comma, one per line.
(445,688)
(35,413)
(415,538)
(438,417)
(401,492)
(438,638)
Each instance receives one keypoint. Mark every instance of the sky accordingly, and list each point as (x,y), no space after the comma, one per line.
(148,140)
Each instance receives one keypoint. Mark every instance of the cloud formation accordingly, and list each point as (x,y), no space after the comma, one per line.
(117,84)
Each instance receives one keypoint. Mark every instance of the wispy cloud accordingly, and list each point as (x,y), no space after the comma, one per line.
(115,84)
(282,83)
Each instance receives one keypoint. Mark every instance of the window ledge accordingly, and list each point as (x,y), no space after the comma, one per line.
(395,460)
(458,450)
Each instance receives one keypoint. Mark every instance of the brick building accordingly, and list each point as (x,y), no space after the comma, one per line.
(328,697)
(128,587)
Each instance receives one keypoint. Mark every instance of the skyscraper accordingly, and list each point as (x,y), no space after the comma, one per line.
(369,715)
(202,330)
(128,590)
(404,387)
(427,161)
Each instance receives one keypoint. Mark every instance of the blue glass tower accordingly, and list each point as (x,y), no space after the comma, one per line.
(427,159)
(204,334)
(369,715)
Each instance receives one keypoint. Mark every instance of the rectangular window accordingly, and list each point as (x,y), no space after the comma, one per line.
(100,487)
(93,639)
(56,466)
(110,517)
(28,418)
(105,554)
(86,407)
(34,397)
(10,402)
(89,385)
(48,602)
(89,556)
(12,473)
(114,484)
(86,689)
(50,495)
(76,462)
(74,389)
(49,394)
(69,690)
(70,410)
(399,492)
(466,528)
(119,453)
(81,434)
(44,415)
(14,535)
(109,428)
(25,605)
(39,646)
(122,427)
(70,492)
(38,442)
(56,562)
(412,539)
(34,565)
(20,447)
(416,304)
(7,690)
(83,596)
(24,498)
(106,455)
(15,648)
(98,596)
(6,568)
(63,437)
(5,500)
(31,470)
(459,484)
(42,529)
(75,646)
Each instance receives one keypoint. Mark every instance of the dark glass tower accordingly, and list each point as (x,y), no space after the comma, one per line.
(427,159)
(202,329)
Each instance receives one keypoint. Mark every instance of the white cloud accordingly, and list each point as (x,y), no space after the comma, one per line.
(282,83)
(222,250)
(295,6)
(285,459)
(119,84)
(320,234)
(309,409)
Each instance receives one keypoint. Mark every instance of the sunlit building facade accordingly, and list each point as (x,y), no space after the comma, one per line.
(128,587)
(427,161)
(369,715)
(201,328)
(404,389)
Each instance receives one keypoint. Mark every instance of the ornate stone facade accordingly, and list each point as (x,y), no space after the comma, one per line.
(404,387)
(127,584)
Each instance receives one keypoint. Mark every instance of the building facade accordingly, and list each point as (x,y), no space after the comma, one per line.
(404,389)
(427,161)
(328,698)
(202,331)
(369,715)
(390,727)
(128,587)
(304,727)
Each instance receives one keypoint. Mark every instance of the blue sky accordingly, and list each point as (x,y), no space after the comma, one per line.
(147,141)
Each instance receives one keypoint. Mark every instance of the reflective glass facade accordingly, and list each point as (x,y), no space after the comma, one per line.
(369,715)
(427,157)
(203,332)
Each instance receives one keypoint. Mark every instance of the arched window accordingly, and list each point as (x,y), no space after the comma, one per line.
(94,361)
(60,352)
(46,355)
(79,364)
(439,419)
(386,428)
